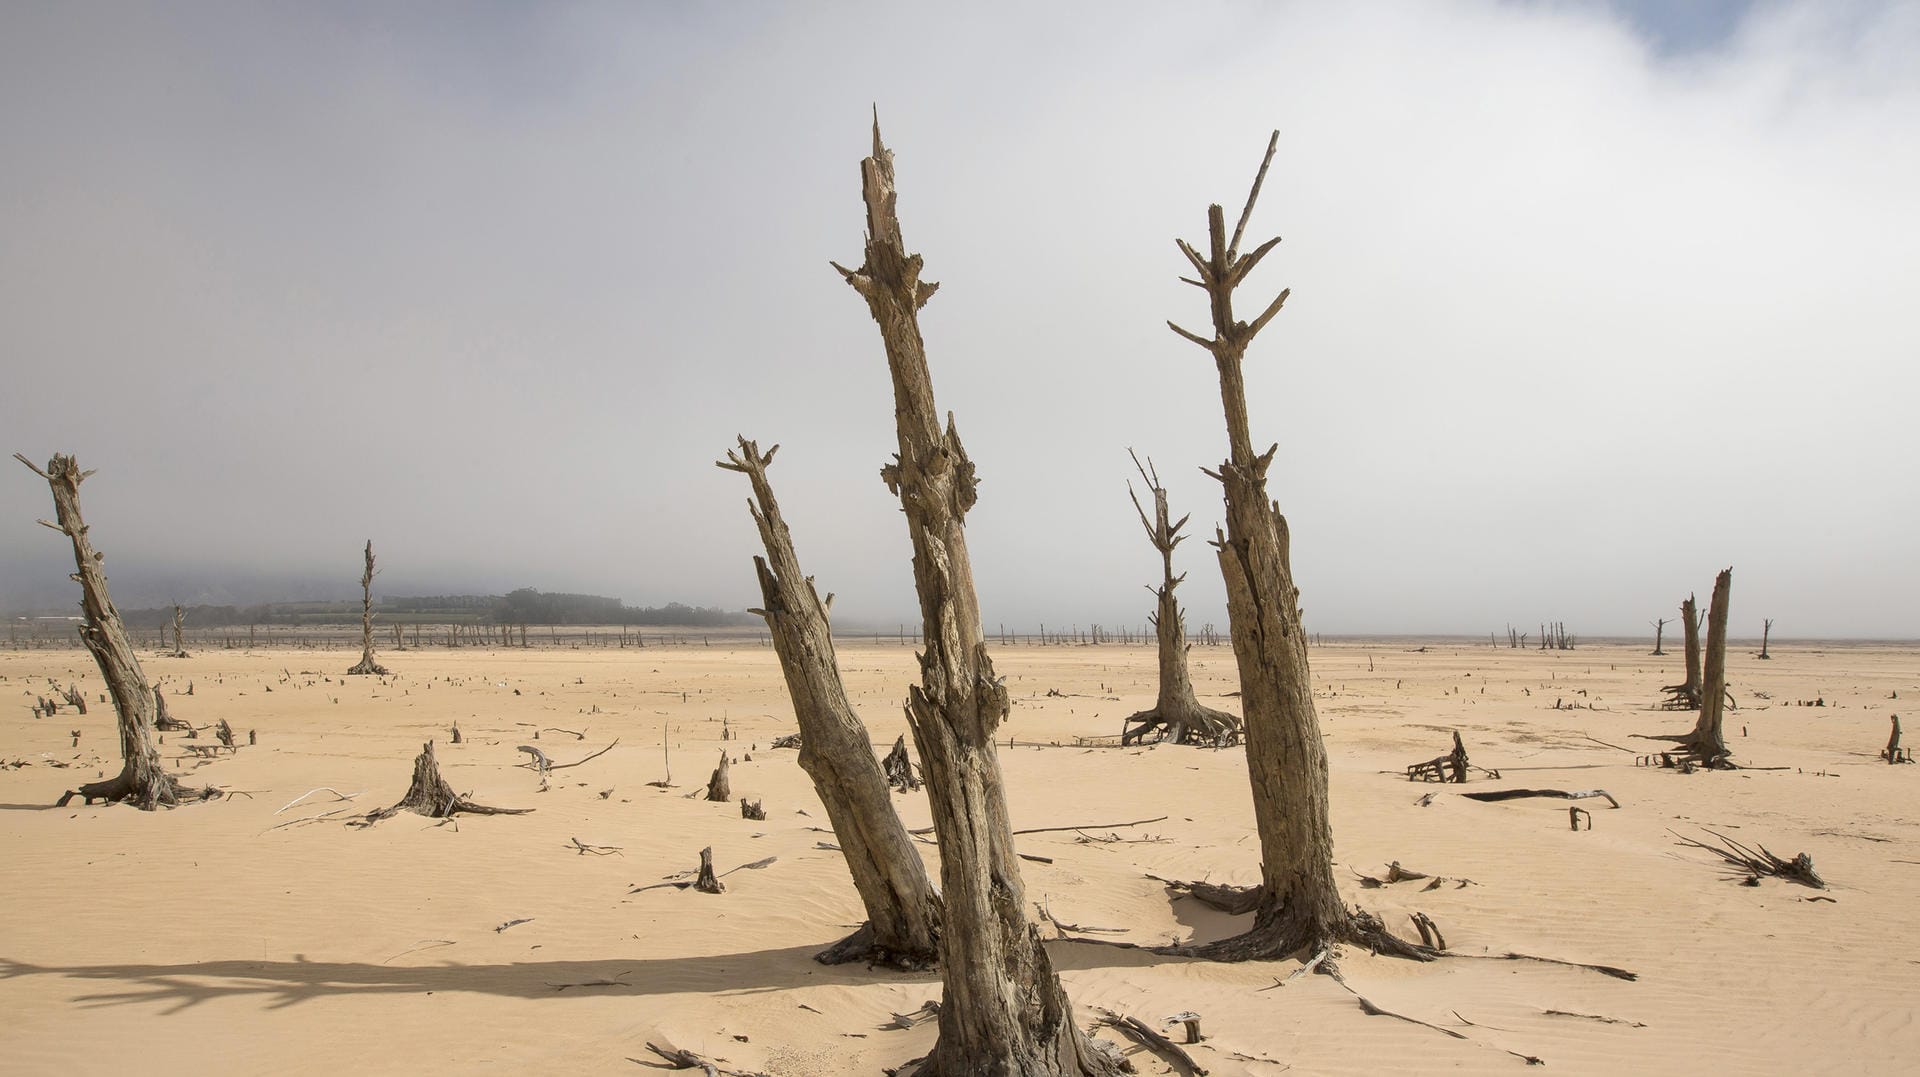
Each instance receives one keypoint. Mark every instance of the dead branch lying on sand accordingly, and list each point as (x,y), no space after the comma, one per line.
(1144,1034)
(1757,861)
(1235,900)
(687,1060)
(1521,794)
(681,880)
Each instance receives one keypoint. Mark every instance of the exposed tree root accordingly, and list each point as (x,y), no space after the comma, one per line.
(431,796)
(861,947)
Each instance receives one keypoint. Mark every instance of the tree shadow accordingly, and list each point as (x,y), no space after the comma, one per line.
(288,983)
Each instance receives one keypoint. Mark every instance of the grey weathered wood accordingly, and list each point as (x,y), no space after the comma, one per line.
(1176,710)
(1004,1011)
(903,912)
(430,795)
(718,787)
(367,664)
(142,781)
(1685,696)
(1709,740)
(1300,905)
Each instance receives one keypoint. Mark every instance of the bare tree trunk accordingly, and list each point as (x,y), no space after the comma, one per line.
(179,632)
(367,664)
(1708,742)
(1300,904)
(141,781)
(1659,630)
(1005,1012)
(1686,695)
(1176,710)
(903,912)
(1765,634)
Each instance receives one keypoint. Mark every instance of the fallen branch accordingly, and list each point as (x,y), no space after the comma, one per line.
(1144,1034)
(1519,794)
(1055,829)
(322,789)
(1595,1017)
(1235,900)
(1604,970)
(687,1060)
(588,759)
(597,850)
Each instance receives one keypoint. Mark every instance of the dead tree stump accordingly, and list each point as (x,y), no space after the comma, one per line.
(718,788)
(142,781)
(1766,633)
(706,882)
(1893,752)
(431,796)
(367,665)
(752,809)
(899,768)
(1177,713)
(1706,745)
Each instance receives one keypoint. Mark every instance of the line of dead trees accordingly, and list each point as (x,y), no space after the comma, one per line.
(1553,637)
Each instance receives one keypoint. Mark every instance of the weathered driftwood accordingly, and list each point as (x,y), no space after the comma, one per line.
(1149,1037)
(752,809)
(142,781)
(431,796)
(1685,696)
(719,789)
(1237,900)
(790,740)
(1451,767)
(225,732)
(1004,1010)
(903,912)
(1176,714)
(687,1060)
(1300,907)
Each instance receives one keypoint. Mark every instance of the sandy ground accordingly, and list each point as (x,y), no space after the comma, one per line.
(237,937)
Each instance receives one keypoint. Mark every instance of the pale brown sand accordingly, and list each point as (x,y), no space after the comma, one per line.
(200,940)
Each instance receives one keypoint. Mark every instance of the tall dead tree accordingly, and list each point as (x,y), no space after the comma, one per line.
(1300,905)
(1685,696)
(1766,632)
(903,912)
(141,782)
(1176,711)
(179,632)
(1659,630)
(1005,1012)
(1706,745)
(367,665)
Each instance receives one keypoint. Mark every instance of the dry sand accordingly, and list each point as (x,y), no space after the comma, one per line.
(205,939)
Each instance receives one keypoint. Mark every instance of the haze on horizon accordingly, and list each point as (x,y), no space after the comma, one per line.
(1590,300)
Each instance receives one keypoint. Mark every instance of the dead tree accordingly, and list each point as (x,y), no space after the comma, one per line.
(141,781)
(1706,745)
(1685,696)
(899,768)
(367,664)
(1176,711)
(1005,1012)
(718,787)
(1765,632)
(1893,752)
(179,632)
(1659,630)
(903,912)
(1300,905)
(431,796)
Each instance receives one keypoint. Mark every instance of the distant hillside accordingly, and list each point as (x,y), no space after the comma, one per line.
(525,606)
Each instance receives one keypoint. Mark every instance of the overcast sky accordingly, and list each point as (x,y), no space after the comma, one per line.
(1589,300)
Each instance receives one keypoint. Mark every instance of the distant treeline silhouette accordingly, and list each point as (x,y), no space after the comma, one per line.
(525,606)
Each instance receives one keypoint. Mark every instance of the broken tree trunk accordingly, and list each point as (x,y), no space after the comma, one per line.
(899,768)
(1894,753)
(1766,632)
(903,912)
(179,632)
(1659,630)
(1177,711)
(431,796)
(367,665)
(1706,745)
(718,788)
(1300,906)
(141,781)
(1685,696)
(1005,1012)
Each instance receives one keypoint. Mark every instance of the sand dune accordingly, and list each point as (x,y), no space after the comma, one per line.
(218,938)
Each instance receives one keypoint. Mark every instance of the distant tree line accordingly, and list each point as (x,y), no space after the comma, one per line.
(525,606)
